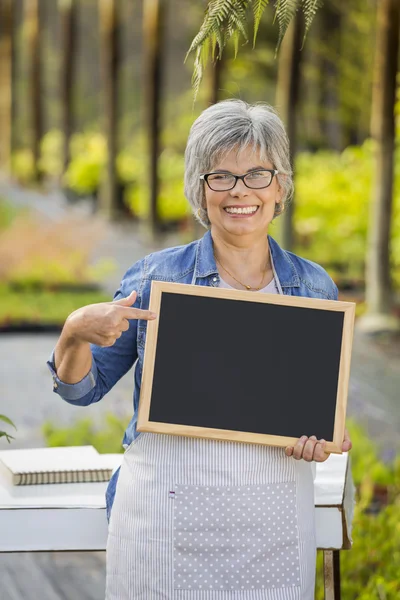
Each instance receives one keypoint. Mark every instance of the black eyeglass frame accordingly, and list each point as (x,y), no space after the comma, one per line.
(205,176)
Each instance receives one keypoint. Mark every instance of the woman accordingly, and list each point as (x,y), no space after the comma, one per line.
(174,498)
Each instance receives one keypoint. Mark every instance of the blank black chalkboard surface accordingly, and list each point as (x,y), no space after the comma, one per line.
(246,366)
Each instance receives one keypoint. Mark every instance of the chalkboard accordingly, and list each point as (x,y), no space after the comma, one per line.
(244,366)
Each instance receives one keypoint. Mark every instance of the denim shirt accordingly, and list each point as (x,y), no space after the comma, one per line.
(193,263)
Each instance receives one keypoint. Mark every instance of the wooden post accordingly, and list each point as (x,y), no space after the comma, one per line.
(34,48)
(108,10)
(153,18)
(287,95)
(332,575)
(379,295)
(6,66)
(67,10)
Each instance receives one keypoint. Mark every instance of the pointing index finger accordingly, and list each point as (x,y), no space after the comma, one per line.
(136,313)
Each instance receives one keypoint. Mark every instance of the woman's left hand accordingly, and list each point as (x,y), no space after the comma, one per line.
(312,449)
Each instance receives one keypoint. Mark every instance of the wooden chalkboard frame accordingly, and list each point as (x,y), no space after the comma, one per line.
(159,287)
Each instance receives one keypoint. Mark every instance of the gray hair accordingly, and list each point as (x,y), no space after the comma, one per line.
(228,125)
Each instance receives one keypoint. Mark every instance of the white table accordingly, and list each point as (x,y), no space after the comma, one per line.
(57,517)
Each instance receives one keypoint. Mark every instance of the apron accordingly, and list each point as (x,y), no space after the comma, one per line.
(197,519)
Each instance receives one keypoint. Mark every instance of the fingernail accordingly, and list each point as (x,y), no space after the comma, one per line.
(303,438)
(153,315)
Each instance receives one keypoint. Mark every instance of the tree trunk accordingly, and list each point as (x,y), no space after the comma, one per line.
(67,10)
(331,23)
(216,76)
(379,295)
(153,19)
(32,17)
(109,56)
(287,96)
(6,62)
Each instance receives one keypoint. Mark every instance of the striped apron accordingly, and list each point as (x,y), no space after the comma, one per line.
(197,519)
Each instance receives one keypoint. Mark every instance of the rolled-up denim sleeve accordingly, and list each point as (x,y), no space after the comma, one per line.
(111,363)
(72,391)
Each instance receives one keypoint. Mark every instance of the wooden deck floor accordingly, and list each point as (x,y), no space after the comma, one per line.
(52,576)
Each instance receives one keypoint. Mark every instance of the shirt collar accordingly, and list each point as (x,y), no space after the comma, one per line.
(205,264)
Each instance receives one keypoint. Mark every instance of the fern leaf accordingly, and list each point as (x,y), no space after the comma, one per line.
(217,12)
(258,9)
(235,38)
(310,8)
(214,41)
(223,19)
(198,71)
(237,20)
(285,11)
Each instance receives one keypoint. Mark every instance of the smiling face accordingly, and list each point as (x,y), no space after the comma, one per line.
(242,211)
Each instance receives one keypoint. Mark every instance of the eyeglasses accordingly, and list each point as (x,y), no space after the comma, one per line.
(256,180)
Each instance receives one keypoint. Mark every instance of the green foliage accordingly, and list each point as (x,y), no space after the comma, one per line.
(173,205)
(83,432)
(49,273)
(23,166)
(333,194)
(88,160)
(365,462)
(7,214)
(85,172)
(51,147)
(39,306)
(371,569)
(4,433)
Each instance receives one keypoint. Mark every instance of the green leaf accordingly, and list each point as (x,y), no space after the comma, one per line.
(9,437)
(310,8)
(285,12)
(7,420)
(223,19)
(258,9)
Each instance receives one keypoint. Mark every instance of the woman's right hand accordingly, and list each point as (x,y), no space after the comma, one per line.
(102,324)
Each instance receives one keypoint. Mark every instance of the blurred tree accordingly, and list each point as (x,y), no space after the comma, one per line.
(67,9)
(32,25)
(337,75)
(153,27)
(109,57)
(216,77)
(330,31)
(379,295)
(287,98)
(6,88)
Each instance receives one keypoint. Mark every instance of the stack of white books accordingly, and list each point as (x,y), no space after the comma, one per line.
(38,466)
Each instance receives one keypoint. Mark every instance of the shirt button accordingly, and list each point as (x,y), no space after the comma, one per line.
(55,386)
(214,279)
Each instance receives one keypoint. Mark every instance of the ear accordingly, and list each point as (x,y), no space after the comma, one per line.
(281,191)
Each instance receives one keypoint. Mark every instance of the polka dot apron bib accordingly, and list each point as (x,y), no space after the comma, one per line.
(197,519)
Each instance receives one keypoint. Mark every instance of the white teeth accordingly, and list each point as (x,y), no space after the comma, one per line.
(240,211)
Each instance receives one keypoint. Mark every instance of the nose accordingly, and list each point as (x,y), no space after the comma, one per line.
(239,187)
